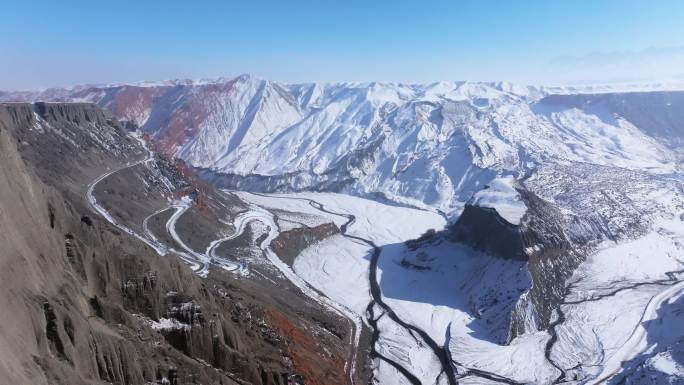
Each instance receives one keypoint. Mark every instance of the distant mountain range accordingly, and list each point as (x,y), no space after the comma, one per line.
(424,144)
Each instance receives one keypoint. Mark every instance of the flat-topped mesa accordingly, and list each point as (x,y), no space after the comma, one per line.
(77,113)
(508,221)
(16,114)
(64,136)
(21,113)
(491,220)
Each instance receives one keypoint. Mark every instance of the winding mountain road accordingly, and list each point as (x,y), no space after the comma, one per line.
(267,218)
(201,262)
(98,208)
(198,262)
(180,209)
(376,294)
(189,260)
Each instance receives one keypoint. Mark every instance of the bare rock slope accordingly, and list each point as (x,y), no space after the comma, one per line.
(86,303)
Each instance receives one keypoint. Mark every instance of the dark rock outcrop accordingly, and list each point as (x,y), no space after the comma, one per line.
(483,229)
(290,243)
(552,243)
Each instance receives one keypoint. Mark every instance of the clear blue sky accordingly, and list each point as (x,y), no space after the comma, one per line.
(50,43)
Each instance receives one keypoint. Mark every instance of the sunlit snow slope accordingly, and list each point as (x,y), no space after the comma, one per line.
(433,144)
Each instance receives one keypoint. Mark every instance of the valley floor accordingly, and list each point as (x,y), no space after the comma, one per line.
(610,315)
(434,316)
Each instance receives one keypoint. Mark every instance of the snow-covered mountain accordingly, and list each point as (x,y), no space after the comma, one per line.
(433,144)
(565,211)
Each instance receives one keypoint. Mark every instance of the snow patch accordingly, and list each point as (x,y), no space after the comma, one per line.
(500,195)
(165,324)
(664,363)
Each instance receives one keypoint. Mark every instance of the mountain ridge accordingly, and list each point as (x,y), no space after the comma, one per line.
(430,145)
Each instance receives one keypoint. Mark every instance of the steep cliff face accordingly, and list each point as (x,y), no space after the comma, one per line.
(76,113)
(552,244)
(485,230)
(660,114)
(86,303)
